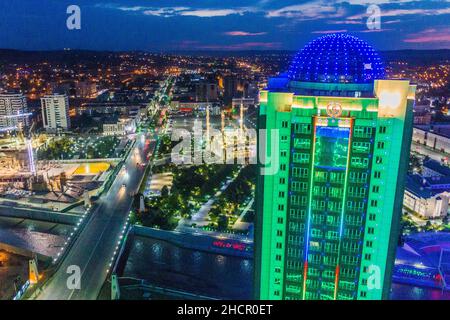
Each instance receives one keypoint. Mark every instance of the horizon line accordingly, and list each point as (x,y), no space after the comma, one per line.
(190,50)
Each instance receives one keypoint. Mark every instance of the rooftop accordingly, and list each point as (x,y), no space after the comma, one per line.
(337,58)
(427,187)
(437,167)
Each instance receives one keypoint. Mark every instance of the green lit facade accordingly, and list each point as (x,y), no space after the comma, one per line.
(327,221)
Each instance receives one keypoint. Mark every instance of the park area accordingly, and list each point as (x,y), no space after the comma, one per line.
(211,197)
(191,186)
(73,148)
(208,197)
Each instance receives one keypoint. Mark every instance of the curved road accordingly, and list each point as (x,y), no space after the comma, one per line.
(96,244)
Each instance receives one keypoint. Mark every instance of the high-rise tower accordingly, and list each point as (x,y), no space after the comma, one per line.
(13,111)
(55,112)
(328,215)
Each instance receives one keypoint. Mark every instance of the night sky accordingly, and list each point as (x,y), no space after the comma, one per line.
(169,25)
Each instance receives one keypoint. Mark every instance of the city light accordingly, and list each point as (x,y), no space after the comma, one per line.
(288,151)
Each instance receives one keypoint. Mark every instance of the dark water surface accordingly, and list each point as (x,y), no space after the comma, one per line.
(40,237)
(166,265)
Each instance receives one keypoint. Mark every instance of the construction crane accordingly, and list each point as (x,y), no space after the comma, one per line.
(20,117)
(29,146)
(25,138)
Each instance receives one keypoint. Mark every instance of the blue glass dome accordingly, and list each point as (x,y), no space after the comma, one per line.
(337,58)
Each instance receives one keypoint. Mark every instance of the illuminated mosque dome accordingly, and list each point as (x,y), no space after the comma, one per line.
(337,58)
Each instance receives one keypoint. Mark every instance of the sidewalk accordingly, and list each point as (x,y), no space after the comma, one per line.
(199,218)
(239,225)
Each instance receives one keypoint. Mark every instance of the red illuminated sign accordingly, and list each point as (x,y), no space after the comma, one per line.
(231,245)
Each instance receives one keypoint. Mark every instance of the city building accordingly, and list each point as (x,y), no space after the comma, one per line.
(422,115)
(427,194)
(60,87)
(85,89)
(427,197)
(234,87)
(432,169)
(55,112)
(108,108)
(435,137)
(245,102)
(13,111)
(195,107)
(206,91)
(329,196)
(115,126)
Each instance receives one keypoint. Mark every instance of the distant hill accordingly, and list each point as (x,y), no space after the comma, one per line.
(410,55)
(419,56)
(17,56)
(233,53)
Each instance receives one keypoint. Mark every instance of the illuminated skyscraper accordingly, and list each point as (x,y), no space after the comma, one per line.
(328,217)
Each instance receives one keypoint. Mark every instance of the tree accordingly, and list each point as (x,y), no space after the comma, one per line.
(222,222)
(164,191)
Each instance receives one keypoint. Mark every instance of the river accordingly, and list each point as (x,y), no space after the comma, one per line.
(166,265)
(40,237)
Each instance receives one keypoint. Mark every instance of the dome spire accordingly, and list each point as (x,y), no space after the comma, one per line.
(337,58)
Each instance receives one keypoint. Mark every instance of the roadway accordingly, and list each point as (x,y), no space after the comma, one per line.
(97,242)
(95,246)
